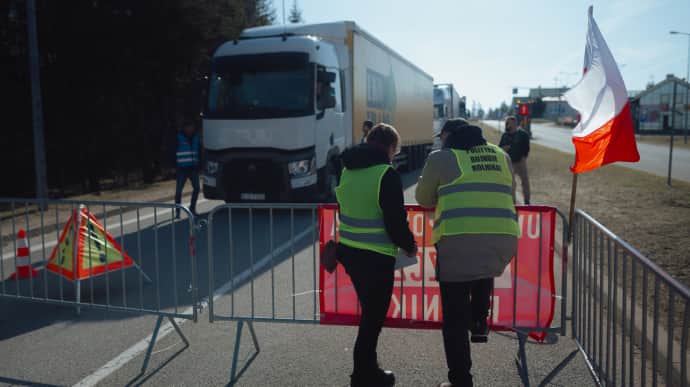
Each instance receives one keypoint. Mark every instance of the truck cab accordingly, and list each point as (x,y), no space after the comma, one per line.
(273,124)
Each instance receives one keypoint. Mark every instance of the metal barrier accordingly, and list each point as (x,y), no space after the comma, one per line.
(623,319)
(114,256)
(271,275)
(264,257)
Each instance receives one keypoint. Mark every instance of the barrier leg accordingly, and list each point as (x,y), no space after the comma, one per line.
(521,359)
(152,343)
(234,375)
(154,337)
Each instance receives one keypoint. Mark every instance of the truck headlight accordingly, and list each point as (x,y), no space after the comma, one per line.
(211,167)
(302,167)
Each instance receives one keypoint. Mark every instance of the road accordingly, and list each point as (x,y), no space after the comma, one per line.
(50,345)
(653,158)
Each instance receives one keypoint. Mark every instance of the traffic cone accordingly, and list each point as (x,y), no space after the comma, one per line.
(24,269)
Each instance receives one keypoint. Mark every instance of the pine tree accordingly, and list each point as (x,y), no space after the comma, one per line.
(295,14)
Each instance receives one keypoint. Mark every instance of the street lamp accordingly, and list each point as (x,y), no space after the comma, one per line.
(687,79)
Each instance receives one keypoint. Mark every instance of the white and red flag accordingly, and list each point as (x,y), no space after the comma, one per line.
(605,133)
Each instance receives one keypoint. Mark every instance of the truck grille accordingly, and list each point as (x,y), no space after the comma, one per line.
(253,176)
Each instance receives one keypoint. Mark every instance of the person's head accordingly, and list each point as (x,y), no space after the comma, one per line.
(451,126)
(386,138)
(511,124)
(463,137)
(366,127)
(188,127)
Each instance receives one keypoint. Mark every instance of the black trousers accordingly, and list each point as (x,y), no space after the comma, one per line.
(372,276)
(463,304)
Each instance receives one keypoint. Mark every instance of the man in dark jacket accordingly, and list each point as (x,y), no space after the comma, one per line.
(373,224)
(515,141)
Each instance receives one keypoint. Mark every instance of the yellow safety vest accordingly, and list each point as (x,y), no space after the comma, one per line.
(361,217)
(480,201)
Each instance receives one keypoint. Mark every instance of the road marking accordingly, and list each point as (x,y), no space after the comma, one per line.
(36,247)
(140,347)
(307,292)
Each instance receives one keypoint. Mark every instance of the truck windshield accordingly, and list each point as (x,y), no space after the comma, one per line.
(261,86)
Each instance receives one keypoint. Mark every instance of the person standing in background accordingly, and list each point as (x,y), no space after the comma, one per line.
(366,128)
(187,163)
(515,141)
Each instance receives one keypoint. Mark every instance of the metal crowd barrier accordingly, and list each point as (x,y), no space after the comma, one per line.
(263,267)
(631,318)
(265,257)
(130,257)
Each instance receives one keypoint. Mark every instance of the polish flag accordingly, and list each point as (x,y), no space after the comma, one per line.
(605,133)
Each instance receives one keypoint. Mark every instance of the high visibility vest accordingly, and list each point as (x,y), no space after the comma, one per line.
(480,201)
(361,217)
(187,154)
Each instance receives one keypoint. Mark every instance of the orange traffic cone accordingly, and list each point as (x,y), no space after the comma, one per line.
(24,269)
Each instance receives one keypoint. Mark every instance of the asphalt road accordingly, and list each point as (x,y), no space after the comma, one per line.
(653,158)
(275,266)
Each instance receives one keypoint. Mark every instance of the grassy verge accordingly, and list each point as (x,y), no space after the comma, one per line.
(664,140)
(637,206)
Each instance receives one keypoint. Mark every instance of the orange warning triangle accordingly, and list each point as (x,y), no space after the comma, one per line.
(95,252)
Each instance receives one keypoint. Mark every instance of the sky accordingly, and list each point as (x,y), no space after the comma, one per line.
(487,47)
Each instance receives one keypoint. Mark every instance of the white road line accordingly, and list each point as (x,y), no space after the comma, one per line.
(140,347)
(36,247)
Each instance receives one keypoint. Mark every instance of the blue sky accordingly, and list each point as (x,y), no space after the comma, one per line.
(485,47)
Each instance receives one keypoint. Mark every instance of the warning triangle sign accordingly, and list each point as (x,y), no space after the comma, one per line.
(94,252)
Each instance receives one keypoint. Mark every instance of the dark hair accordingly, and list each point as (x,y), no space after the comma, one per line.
(465,138)
(508,118)
(369,124)
(383,136)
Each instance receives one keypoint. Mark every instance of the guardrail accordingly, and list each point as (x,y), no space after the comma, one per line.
(631,318)
(113,256)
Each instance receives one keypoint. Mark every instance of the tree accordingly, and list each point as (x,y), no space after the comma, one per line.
(295,16)
(116,78)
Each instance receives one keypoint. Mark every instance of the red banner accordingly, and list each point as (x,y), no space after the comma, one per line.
(523,296)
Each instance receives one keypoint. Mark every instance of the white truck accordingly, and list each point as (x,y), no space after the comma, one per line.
(447,104)
(285,101)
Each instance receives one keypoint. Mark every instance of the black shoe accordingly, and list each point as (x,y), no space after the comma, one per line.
(379,378)
(480,332)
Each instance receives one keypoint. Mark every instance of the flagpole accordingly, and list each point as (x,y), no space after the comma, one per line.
(571,217)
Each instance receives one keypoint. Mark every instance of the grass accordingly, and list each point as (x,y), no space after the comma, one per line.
(639,207)
(664,140)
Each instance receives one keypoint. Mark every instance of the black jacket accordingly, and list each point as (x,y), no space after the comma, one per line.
(519,144)
(391,198)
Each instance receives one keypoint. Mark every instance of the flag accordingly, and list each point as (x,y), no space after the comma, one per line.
(605,133)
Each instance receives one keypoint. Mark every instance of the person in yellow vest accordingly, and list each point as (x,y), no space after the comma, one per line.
(470,182)
(373,225)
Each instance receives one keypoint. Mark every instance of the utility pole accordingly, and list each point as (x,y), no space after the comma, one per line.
(673,120)
(687,90)
(36,106)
